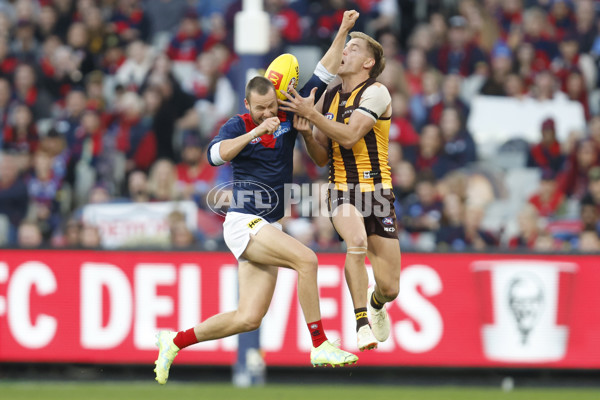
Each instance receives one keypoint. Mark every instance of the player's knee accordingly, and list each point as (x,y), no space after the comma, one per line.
(251,322)
(389,292)
(308,262)
(356,240)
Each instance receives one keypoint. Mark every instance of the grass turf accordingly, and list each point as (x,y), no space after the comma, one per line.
(150,391)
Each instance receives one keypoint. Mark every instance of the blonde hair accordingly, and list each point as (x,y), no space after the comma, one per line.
(376,50)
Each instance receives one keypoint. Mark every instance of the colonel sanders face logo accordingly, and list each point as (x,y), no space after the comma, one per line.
(526,300)
(525,308)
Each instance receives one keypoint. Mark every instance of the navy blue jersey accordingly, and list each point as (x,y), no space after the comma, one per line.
(264,166)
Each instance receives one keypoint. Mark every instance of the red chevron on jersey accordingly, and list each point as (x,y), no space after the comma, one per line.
(267,141)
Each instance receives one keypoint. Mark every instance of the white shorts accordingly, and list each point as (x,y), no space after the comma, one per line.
(237,229)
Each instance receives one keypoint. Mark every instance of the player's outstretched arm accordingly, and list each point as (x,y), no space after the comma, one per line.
(333,57)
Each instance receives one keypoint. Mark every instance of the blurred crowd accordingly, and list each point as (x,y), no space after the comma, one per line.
(114,101)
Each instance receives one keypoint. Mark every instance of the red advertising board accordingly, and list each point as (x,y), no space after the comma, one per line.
(453,309)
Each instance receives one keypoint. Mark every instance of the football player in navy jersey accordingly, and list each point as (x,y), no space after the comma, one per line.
(259,146)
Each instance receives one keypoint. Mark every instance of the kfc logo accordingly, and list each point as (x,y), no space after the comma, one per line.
(524,309)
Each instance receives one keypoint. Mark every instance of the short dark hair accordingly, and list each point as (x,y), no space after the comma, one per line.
(260,85)
(376,50)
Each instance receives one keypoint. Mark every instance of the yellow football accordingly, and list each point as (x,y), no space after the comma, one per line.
(283,72)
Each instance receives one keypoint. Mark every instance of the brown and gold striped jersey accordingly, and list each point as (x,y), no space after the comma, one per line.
(366,164)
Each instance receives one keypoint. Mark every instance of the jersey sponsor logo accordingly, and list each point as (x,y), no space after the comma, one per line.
(347,113)
(284,127)
(276,78)
(370,174)
(254,222)
(387,229)
(388,221)
(329,115)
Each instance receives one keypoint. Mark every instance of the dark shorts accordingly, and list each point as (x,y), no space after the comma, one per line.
(377,210)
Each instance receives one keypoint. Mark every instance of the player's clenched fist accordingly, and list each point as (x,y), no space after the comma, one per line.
(349,19)
(268,126)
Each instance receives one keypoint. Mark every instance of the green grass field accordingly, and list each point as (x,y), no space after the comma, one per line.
(149,391)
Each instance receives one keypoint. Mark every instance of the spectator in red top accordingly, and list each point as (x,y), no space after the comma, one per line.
(21,135)
(548,200)
(561,17)
(195,176)
(285,19)
(547,153)
(458,55)
(538,32)
(327,17)
(569,59)
(529,228)
(450,99)
(189,41)
(8,62)
(574,179)
(576,91)
(129,21)
(510,15)
(133,134)
(527,65)
(401,129)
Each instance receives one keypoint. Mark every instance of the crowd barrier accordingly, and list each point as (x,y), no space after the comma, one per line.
(454,310)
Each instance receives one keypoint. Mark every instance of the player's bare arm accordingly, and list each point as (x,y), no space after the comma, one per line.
(315,150)
(230,148)
(317,134)
(333,57)
(345,134)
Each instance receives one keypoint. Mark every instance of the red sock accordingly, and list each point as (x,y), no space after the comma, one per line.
(317,333)
(185,338)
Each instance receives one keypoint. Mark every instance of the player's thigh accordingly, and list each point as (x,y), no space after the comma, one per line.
(256,284)
(349,224)
(384,255)
(270,246)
